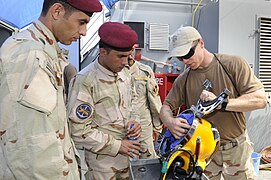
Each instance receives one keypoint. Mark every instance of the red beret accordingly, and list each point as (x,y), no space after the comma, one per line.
(86,6)
(118,36)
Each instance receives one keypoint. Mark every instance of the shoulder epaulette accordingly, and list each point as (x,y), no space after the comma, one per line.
(90,76)
(147,69)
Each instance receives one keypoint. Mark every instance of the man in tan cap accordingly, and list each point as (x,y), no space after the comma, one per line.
(233,159)
(35,141)
(101,109)
(148,105)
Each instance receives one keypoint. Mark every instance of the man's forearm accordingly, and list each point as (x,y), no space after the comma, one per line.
(248,102)
(165,114)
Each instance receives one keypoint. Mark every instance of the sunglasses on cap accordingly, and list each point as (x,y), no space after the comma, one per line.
(190,53)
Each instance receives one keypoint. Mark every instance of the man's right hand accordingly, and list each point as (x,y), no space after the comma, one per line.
(129,147)
(178,127)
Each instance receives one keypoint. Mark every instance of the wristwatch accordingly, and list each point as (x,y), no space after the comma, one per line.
(224,105)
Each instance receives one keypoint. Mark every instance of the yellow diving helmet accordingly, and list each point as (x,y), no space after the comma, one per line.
(186,158)
(192,152)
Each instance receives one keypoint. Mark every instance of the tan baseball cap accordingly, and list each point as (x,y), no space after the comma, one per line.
(182,40)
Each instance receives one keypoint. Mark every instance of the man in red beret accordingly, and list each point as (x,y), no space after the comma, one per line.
(101,104)
(35,142)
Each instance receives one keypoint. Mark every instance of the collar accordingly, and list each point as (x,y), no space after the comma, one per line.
(134,68)
(119,75)
(47,35)
(205,69)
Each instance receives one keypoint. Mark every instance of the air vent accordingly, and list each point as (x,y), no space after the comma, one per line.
(159,37)
(265,52)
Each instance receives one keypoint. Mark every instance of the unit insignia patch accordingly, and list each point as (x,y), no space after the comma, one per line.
(84,111)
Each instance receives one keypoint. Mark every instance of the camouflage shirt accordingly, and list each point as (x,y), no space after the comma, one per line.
(35,140)
(148,102)
(99,109)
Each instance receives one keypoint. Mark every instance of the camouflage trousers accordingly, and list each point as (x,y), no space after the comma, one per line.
(147,148)
(233,164)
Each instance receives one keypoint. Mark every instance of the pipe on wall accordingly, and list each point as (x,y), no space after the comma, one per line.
(167,2)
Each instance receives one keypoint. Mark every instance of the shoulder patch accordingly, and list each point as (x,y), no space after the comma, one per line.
(84,111)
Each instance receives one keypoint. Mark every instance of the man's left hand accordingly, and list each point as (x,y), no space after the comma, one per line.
(134,129)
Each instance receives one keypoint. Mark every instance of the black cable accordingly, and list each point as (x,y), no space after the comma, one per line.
(228,74)
(191,161)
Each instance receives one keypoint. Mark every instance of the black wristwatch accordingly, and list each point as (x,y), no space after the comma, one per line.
(224,105)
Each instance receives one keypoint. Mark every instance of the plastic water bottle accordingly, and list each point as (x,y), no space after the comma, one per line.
(174,67)
(169,70)
(137,119)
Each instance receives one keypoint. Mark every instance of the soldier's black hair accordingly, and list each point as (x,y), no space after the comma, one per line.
(105,46)
(48,3)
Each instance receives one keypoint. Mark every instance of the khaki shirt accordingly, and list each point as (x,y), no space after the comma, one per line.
(99,109)
(35,139)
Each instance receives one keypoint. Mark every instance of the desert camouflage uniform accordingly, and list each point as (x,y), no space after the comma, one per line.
(35,141)
(234,154)
(148,106)
(99,108)
(69,72)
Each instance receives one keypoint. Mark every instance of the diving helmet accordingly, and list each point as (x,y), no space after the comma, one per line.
(186,158)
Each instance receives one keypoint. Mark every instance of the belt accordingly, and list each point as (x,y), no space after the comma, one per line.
(229,145)
(233,143)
